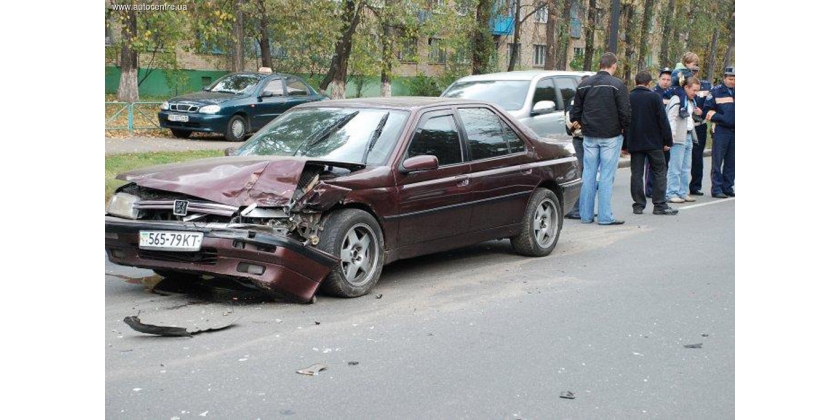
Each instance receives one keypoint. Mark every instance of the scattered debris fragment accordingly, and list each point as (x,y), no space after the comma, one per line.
(166,331)
(137,389)
(704,335)
(312,370)
(204,414)
(353,363)
(379,296)
(569,395)
(694,346)
(317,322)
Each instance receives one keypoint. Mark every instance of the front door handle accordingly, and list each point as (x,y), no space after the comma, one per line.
(464,182)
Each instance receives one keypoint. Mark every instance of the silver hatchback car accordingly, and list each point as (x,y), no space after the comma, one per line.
(537,98)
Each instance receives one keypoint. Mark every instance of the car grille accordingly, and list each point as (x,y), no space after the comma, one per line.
(183,107)
(207,256)
(192,207)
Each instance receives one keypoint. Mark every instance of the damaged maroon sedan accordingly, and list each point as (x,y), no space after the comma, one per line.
(329,192)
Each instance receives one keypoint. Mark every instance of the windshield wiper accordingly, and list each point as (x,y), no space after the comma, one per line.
(375,136)
(325,133)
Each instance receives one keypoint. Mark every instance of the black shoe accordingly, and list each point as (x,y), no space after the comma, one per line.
(667,212)
(573,216)
(637,210)
(730,194)
(697,193)
(720,195)
(614,222)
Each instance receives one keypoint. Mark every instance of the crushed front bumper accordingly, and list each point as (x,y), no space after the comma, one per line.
(274,263)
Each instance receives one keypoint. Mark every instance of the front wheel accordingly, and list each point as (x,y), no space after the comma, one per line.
(541,225)
(355,236)
(236,129)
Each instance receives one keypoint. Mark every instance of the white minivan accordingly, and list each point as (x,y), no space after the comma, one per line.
(537,98)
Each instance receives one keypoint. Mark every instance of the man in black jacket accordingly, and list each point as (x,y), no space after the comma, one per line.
(649,136)
(602,111)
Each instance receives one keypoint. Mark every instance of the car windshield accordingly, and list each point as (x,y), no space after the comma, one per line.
(340,134)
(239,84)
(509,94)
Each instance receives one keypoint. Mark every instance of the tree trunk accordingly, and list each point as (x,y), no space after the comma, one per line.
(128,90)
(591,19)
(387,60)
(712,56)
(664,53)
(482,39)
(238,37)
(551,36)
(629,44)
(565,27)
(727,59)
(644,38)
(337,74)
(514,51)
(265,45)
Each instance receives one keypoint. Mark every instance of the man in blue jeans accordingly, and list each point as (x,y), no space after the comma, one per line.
(602,111)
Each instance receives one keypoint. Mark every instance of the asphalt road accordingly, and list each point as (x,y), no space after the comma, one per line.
(475,333)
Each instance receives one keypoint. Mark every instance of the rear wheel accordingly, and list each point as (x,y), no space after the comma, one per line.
(541,225)
(236,129)
(355,236)
(181,134)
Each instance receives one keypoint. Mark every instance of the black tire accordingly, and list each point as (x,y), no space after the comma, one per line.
(181,134)
(534,240)
(237,128)
(363,262)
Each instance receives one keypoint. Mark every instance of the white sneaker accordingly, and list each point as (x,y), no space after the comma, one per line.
(676,200)
(689,199)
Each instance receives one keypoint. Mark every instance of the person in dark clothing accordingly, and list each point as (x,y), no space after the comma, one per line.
(648,137)
(664,90)
(700,129)
(602,111)
(719,108)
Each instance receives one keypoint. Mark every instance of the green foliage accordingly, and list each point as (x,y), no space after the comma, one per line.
(423,85)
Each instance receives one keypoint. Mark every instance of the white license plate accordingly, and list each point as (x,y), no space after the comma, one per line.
(170,240)
(176,117)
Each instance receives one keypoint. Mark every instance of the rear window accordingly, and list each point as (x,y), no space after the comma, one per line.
(508,94)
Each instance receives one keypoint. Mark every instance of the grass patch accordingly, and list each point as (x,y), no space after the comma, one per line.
(117,164)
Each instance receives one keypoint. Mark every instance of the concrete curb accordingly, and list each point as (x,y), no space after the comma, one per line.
(625,162)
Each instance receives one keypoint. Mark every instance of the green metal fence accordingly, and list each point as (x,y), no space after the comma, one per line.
(131,116)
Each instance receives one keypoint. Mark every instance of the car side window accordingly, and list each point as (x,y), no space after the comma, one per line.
(567,86)
(437,136)
(275,87)
(515,143)
(296,87)
(484,133)
(545,92)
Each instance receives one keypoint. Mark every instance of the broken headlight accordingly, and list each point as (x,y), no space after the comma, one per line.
(122,205)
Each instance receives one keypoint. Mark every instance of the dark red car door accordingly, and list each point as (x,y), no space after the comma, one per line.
(501,184)
(434,204)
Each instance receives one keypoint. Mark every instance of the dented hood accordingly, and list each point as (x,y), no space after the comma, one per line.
(267,181)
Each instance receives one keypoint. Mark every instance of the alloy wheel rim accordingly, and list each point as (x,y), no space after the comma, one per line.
(545,223)
(359,254)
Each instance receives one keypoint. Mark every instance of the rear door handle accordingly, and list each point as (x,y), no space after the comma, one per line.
(527,171)
(464,182)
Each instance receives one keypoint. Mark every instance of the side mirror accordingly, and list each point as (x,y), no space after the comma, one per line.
(230,151)
(543,107)
(419,163)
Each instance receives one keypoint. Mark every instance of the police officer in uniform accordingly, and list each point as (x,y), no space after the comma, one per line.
(719,108)
(663,88)
(700,128)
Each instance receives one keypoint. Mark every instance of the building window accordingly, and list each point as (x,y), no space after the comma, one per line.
(578,51)
(541,15)
(437,52)
(510,53)
(408,50)
(539,55)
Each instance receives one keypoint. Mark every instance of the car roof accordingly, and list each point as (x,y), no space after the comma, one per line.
(523,75)
(262,75)
(395,102)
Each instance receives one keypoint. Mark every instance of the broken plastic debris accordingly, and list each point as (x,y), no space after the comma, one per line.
(136,325)
(379,296)
(569,395)
(704,335)
(312,370)
(694,346)
(352,363)
(137,389)
(317,322)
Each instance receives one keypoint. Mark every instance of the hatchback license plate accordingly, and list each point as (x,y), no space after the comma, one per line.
(170,240)
(180,118)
